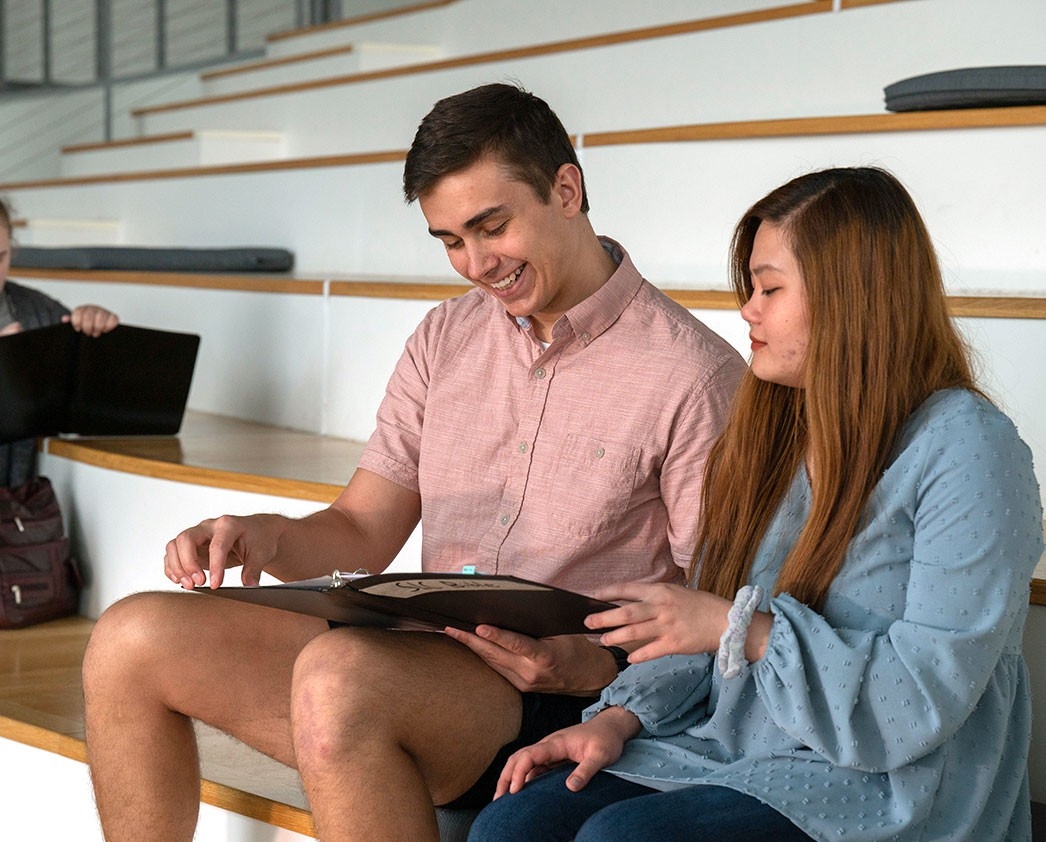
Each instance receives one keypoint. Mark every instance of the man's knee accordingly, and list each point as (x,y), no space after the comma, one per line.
(394,686)
(371,668)
(123,640)
(340,665)
(342,698)
(363,693)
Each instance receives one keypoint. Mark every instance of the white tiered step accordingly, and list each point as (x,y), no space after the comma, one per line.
(176,150)
(69,232)
(326,63)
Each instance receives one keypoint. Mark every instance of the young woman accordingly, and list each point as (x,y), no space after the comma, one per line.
(847,660)
(22,308)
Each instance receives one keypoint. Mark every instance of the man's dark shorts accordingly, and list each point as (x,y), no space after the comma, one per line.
(543,713)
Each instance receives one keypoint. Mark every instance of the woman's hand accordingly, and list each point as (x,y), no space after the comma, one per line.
(665,619)
(672,620)
(593,746)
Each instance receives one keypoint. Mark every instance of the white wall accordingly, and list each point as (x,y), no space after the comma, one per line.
(34,128)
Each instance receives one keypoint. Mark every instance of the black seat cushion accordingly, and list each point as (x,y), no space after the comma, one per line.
(969,87)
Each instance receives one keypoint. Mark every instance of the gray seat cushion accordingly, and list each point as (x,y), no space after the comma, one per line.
(454,824)
(158,259)
(969,87)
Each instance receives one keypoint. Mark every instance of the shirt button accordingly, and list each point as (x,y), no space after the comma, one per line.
(540,374)
(504,520)
(586,336)
(522,447)
(600,453)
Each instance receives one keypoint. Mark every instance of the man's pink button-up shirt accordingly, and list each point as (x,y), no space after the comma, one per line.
(576,465)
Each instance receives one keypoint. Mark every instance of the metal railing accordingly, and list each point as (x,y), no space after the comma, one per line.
(68,45)
(64,43)
(62,62)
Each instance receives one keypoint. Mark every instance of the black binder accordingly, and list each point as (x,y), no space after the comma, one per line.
(130,381)
(428,602)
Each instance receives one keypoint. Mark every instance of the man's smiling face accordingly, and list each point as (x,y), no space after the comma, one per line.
(501,237)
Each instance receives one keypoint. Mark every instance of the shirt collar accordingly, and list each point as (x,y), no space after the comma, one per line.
(589,318)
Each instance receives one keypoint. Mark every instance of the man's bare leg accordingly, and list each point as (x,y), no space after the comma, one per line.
(388,723)
(154,661)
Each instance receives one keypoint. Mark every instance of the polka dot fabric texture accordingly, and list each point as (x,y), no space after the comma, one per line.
(902,711)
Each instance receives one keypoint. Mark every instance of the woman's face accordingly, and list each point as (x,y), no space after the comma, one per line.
(776,311)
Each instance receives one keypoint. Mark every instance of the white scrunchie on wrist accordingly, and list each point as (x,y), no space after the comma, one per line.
(731,657)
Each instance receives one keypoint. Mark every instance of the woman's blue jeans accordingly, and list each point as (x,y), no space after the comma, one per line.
(611,809)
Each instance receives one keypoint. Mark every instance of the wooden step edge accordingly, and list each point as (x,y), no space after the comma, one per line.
(410,291)
(908,121)
(170,137)
(694,299)
(1018,116)
(570,45)
(858,4)
(370,17)
(232,282)
(257,807)
(314,284)
(318,162)
(283,61)
(699,299)
(37,736)
(997,307)
(213,793)
(84,453)
(962,306)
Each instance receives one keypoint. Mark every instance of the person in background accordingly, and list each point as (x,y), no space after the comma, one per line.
(23,308)
(846,662)
(550,423)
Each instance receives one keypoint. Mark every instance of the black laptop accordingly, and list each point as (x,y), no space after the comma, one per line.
(130,381)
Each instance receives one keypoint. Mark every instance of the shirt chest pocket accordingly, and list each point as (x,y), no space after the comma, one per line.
(592,484)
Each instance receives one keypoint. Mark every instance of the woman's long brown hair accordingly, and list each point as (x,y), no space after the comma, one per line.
(881,342)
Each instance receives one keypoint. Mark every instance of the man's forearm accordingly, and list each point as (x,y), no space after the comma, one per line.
(318,544)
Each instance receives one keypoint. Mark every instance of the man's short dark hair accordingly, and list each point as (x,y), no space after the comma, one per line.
(501,121)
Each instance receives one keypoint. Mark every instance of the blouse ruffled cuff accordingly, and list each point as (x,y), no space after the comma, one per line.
(667,694)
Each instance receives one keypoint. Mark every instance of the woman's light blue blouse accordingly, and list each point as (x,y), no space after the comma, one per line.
(902,710)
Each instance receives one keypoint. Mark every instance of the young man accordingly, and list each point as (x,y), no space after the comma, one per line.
(551,423)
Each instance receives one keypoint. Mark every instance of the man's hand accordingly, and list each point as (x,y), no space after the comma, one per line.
(592,745)
(11,329)
(568,664)
(367,524)
(220,543)
(92,320)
